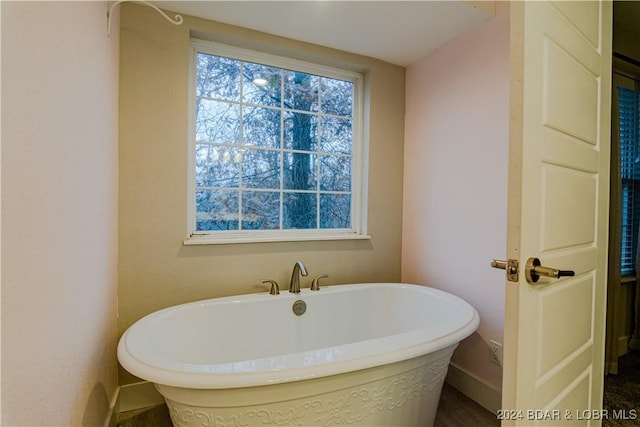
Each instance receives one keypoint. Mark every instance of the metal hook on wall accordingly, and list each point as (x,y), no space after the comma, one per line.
(177,20)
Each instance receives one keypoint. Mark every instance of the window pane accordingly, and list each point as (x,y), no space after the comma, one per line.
(217,121)
(299,210)
(217,166)
(336,135)
(335,211)
(216,210)
(301,91)
(260,210)
(299,171)
(261,169)
(337,97)
(335,173)
(261,127)
(217,77)
(272,146)
(300,131)
(262,85)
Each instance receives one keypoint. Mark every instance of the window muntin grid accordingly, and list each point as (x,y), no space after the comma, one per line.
(276,148)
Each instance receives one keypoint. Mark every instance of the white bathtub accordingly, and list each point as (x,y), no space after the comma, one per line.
(366,354)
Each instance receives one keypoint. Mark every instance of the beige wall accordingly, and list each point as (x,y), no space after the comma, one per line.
(59,213)
(455,180)
(155,269)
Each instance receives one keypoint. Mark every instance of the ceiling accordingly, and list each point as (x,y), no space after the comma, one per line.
(399,32)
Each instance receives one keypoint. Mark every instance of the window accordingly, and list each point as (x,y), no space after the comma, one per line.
(276,148)
(629,111)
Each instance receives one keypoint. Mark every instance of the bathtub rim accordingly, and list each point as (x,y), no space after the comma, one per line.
(360,357)
(283,392)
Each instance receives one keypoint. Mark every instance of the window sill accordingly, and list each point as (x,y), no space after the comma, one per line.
(205,239)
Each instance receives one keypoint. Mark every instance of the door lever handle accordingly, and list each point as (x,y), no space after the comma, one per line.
(534,270)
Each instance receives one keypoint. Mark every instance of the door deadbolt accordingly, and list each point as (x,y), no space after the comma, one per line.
(534,270)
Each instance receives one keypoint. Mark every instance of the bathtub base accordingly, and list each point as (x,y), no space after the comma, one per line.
(404,393)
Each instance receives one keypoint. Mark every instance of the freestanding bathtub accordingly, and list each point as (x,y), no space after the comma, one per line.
(364,355)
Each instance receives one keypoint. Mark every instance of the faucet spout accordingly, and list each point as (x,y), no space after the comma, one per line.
(298,270)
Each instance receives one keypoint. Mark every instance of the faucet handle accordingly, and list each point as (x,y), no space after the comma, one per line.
(275,289)
(315,284)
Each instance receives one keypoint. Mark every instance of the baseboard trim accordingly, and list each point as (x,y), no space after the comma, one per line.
(114,409)
(131,397)
(624,345)
(474,388)
(139,396)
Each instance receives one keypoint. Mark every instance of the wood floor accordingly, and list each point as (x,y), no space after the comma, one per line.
(455,410)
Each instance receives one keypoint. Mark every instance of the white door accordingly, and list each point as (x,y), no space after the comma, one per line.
(558,210)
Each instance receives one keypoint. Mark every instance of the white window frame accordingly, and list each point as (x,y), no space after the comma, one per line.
(359,166)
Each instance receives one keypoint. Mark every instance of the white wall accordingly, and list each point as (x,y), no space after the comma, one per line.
(455,180)
(59,213)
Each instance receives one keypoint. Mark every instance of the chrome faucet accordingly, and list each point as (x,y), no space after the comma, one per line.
(298,270)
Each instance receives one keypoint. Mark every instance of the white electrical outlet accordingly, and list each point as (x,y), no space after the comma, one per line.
(495,352)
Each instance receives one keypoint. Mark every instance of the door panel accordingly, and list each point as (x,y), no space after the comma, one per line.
(565,150)
(585,16)
(562,332)
(568,88)
(555,380)
(565,194)
(558,207)
(574,398)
